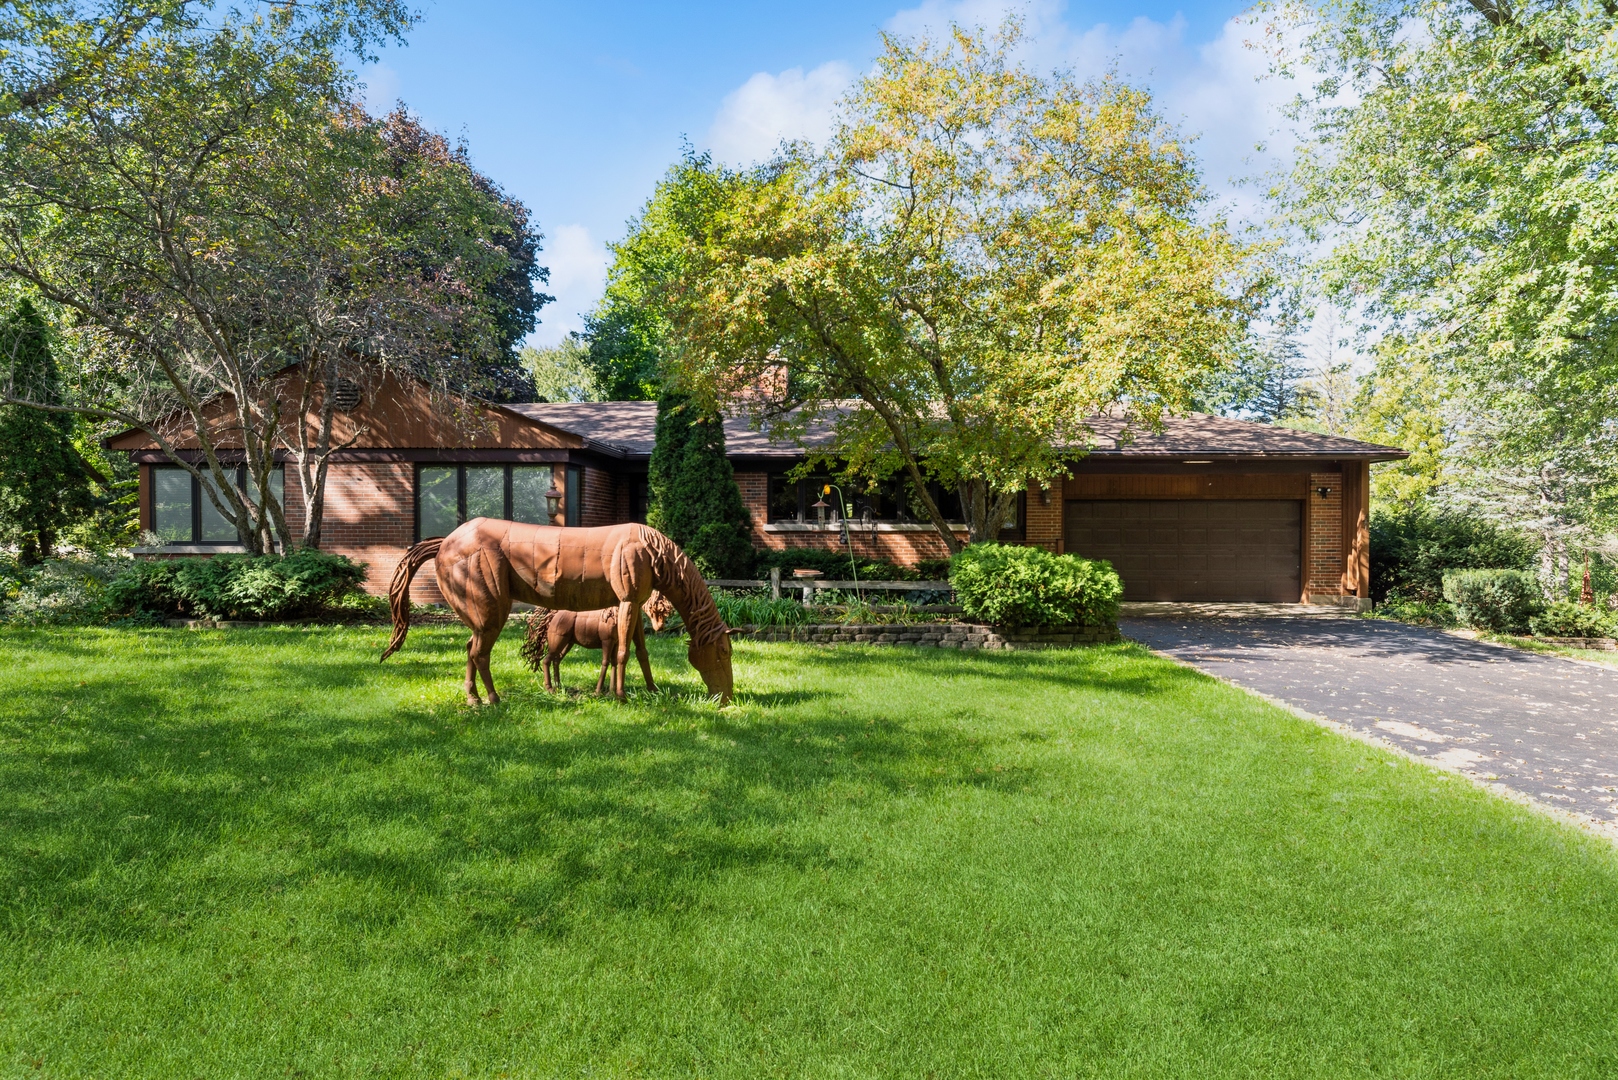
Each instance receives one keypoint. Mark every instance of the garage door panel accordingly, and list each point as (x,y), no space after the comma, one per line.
(1191,550)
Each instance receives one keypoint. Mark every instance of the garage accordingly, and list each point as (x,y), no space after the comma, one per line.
(1193,550)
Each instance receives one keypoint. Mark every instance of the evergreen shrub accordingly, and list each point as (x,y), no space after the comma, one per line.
(1502,601)
(695,501)
(1009,585)
(307,582)
(1567,619)
(1412,548)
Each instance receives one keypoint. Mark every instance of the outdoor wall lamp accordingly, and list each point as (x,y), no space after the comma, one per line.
(1323,491)
(1044,496)
(553,500)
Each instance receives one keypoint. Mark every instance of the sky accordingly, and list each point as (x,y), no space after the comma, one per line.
(579,108)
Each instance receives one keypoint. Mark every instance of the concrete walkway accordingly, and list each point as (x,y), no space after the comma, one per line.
(1542,726)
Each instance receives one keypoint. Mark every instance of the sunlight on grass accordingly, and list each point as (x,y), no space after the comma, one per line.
(261,853)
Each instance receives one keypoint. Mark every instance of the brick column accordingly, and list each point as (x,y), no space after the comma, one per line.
(1042,525)
(1323,559)
(755,489)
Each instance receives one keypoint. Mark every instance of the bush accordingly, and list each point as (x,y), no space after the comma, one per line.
(1421,612)
(1411,549)
(1567,619)
(1008,585)
(694,497)
(233,586)
(1503,601)
(56,592)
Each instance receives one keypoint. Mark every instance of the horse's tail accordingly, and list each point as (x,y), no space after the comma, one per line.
(537,637)
(399,591)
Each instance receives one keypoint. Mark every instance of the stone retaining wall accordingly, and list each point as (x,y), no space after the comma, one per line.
(955,635)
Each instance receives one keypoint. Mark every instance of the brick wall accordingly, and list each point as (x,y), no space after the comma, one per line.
(1042,525)
(370,517)
(1324,559)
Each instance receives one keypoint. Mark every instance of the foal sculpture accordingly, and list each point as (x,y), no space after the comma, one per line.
(486,564)
(552,634)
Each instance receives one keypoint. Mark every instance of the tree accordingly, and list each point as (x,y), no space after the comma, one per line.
(563,372)
(978,260)
(1267,383)
(694,498)
(1460,166)
(212,209)
(44,484)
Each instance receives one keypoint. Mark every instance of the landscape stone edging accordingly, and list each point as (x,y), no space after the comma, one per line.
(954,635)
(1601,643)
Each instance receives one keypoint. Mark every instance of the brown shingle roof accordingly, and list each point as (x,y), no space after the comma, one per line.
(625,429)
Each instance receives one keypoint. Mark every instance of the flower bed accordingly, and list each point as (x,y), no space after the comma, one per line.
(950,635)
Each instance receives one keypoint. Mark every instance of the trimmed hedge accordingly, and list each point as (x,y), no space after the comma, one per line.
(234,586)
(1411,549)
(1010,585)
(1503,601)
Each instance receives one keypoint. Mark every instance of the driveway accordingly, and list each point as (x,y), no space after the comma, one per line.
(1543,726)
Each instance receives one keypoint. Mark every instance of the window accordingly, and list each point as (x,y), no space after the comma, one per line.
(447,495)
(574,496)
(640,498)
(892,500)
(183,514)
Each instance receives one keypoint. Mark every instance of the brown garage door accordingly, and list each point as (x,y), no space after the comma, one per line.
(1236,549)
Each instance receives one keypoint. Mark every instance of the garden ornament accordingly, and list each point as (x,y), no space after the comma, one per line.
(486,564)
(552,635)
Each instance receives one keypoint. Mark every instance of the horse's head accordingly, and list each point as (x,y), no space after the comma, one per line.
(658,608)
(712,661)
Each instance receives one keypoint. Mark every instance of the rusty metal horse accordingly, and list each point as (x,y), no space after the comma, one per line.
(486,564)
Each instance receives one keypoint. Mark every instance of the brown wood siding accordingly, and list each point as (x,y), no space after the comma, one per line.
(1186,486)
(1193,549)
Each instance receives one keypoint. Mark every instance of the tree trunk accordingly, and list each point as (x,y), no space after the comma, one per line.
(985,510)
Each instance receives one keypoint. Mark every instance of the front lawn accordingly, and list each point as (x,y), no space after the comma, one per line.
(259,853)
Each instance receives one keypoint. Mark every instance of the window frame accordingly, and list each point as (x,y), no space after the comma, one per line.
(460,468)
(573,497)
(196,503)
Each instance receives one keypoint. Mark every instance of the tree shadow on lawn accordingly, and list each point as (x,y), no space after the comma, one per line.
(522,816)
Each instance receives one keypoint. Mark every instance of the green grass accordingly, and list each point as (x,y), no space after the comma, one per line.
(258,853)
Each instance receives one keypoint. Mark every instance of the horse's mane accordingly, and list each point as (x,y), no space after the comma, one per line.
(679,579)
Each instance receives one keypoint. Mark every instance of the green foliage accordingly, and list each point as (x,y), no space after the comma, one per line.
(834,563)
(43,482)
(562,372)
(1504,601)
(694,497)
(1412,546)
(306,582)
(1567,619)
(758,609)
(61,592)
(1420,612)
(1009,585)
(625,343)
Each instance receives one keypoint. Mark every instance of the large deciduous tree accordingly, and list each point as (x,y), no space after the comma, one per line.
(207,208)
(1461,172)
(979,260)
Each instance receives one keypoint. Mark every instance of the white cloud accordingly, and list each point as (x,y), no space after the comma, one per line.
(381,88)
(756,116)
(578,265)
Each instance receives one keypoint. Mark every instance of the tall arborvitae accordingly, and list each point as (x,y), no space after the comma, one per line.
(43,482)
(694,498)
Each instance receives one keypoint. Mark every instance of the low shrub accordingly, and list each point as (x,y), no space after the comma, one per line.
(56,592)
(1503,601)
(1412,548)
(1421,612)
(1567,619)
(1009,585)
(754,609)
(235,586)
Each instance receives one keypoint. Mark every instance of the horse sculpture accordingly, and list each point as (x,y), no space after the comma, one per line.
(552,635)
(486,564)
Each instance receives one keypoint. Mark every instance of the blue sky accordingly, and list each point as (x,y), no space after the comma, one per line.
(578,108)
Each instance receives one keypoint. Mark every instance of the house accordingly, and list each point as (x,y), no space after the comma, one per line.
(1208,509)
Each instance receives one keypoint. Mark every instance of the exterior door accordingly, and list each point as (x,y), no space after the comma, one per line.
(1193,550)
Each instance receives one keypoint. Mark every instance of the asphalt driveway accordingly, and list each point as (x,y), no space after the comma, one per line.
(1541,725)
